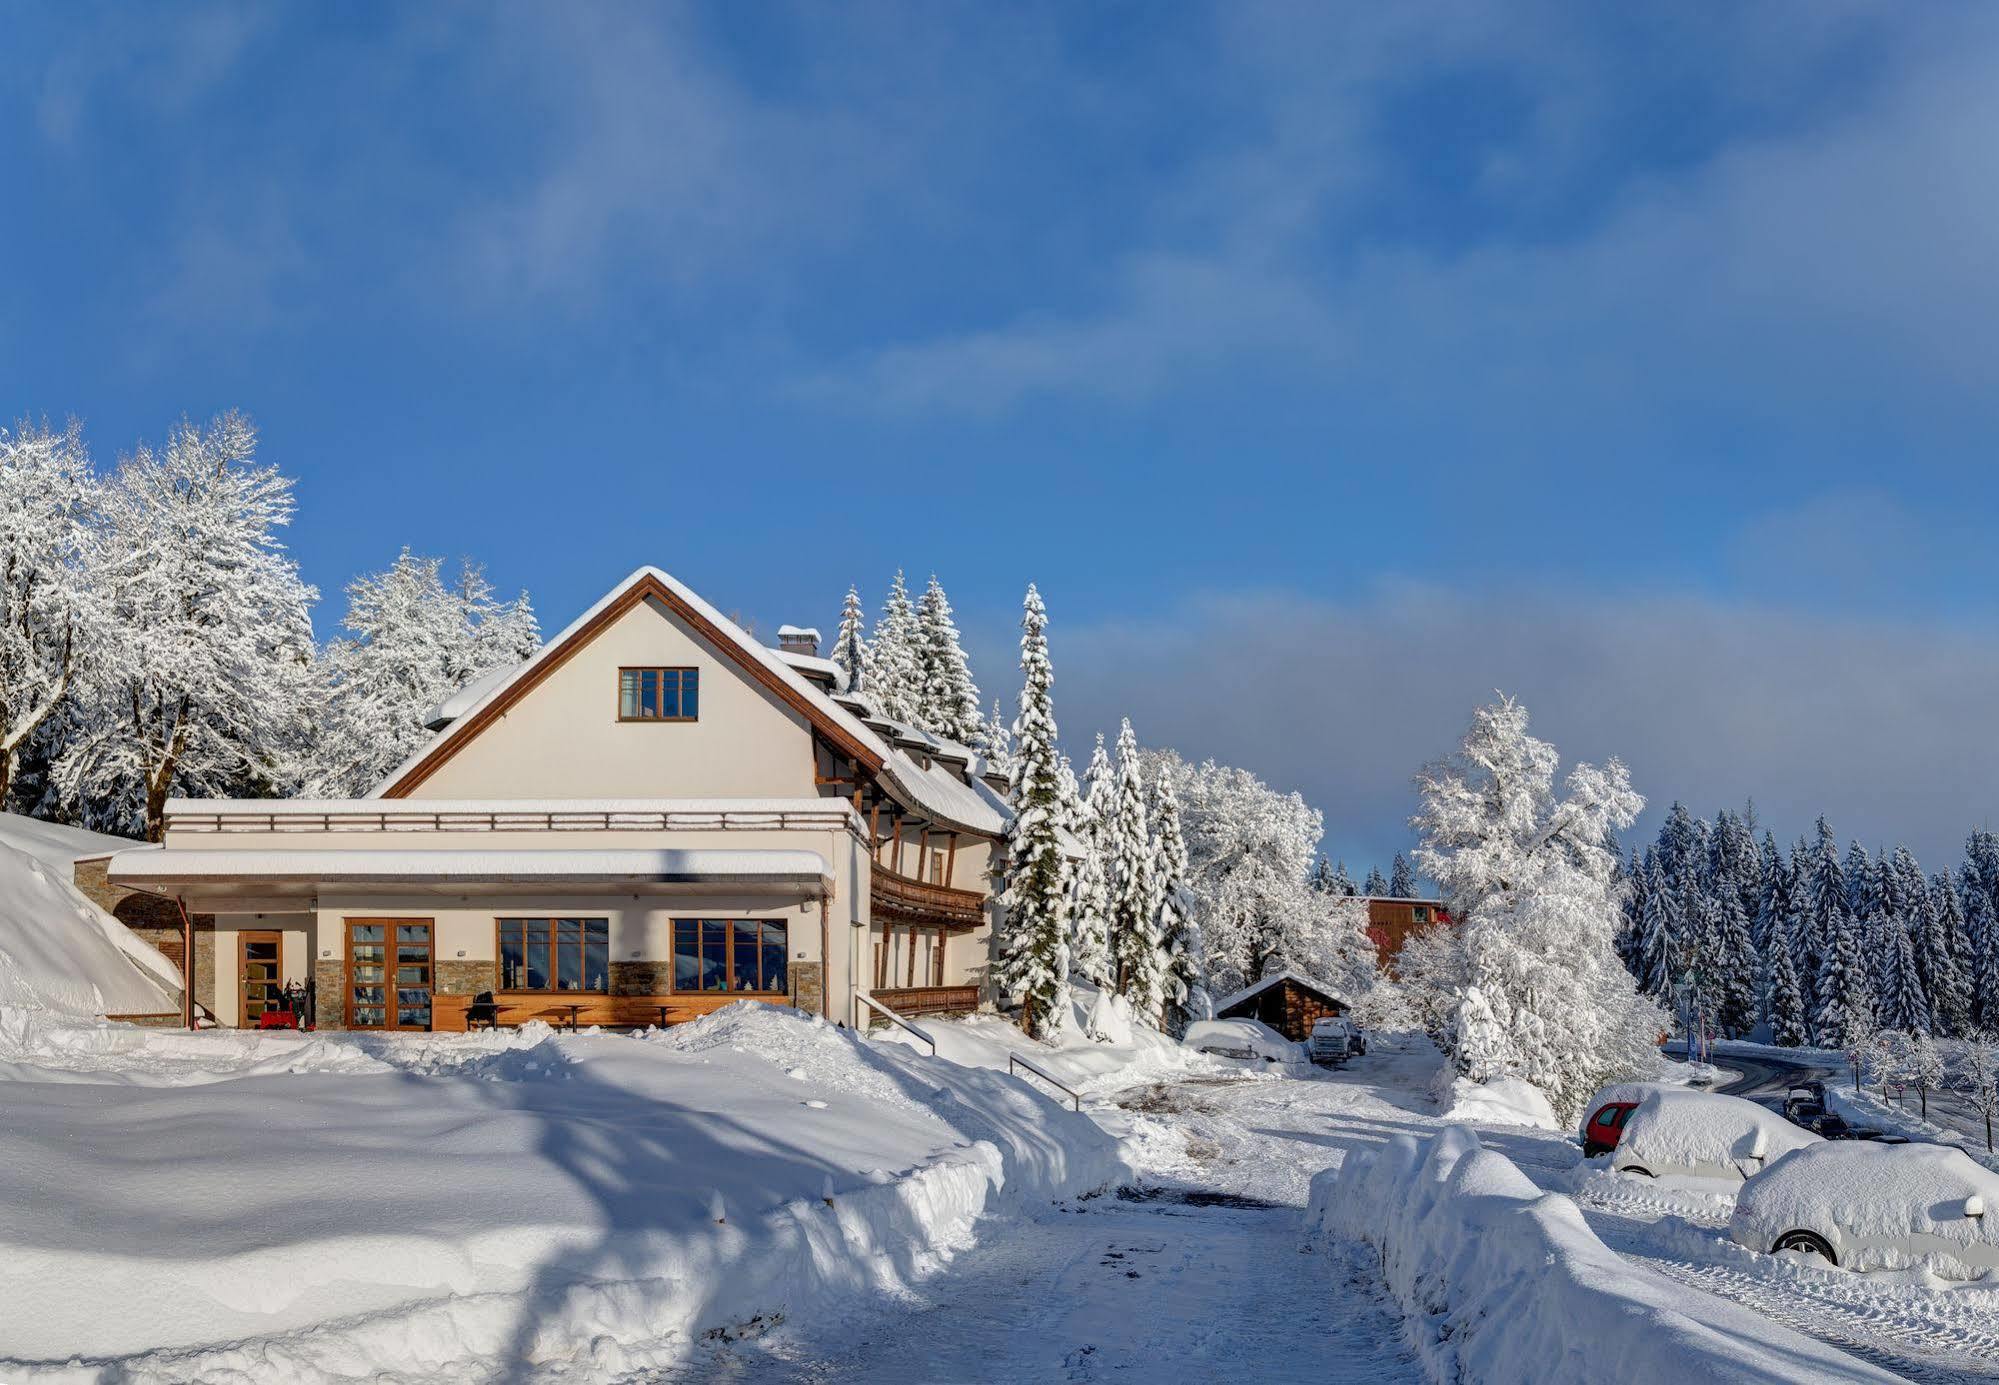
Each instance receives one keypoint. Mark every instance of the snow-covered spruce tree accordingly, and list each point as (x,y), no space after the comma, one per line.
(1134,924)
(1530,876)
(1033,960)
(1186,974)
(48,494)
(1824,915)
(1902,1004)
(996,742)
(1735,990)
(948,704)
(1376,887)
(1631,918)
(1659,933)
(1090,952)
(1401,879)
(850,646)
(1978,890)
(895,668)
(1771,932)
(1954,1012)
(1846,1003)
(1935,955)
(412,640)
(1785,1003)
(1734,864)
(207,687)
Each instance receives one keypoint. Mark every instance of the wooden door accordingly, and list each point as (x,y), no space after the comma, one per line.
(260,975)
(389,973)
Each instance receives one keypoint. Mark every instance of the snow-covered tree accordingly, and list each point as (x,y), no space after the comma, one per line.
(895,663)
(1331,878)
(206,687)
(996,741)
(1250,851)
(1978,889)
(1977,1076)
(1530,875)
(1846,1002)
(48,495)
(1186,978)
(1902,1003)
(1659,931)
(850,646)
(1376,887)
(1943,953)
(1926,1068)
(412,640)
(1033,960)
(948,703)
(1735,983)
(1090,952)
(1827,919)
(1785,1003)
(1136,947)
(1401,879)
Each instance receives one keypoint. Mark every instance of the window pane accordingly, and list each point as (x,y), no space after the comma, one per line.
(597,958)
(511,962)
(690,693)
(537,953)
(686,955)
(745,961)
(714,954)
(367,932)
(649,693)
(773,959)
(628,693)
(669,693)
(413,932)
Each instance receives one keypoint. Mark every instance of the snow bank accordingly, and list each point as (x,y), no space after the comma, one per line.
(542,1200)
(58,950)
(1499,1101)
(1502,1283)
(1245,1039)
(1704,1135)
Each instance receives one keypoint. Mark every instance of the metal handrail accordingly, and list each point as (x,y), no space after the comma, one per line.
(894,1018)
(1014,1060)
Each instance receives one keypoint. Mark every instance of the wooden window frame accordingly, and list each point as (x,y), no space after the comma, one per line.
(728,955)
(243,940)
(685,673)
(391,941)
(500,923)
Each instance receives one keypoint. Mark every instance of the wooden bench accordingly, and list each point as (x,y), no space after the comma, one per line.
(447,1014)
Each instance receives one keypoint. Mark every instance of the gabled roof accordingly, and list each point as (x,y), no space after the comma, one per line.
(970,809)
(1318,988)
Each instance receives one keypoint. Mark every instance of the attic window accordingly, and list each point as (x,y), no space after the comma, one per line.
(659,694)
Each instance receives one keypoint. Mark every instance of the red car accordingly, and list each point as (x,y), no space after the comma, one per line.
(1605,1125)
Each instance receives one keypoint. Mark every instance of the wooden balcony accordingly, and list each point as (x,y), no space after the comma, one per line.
(910,1001)
(896,899)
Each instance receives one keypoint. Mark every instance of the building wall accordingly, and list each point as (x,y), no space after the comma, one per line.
(564,739)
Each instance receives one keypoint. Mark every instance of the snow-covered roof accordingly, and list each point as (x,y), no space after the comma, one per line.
(54,844)
(813,664)
(467,697)
(530,807)
(987,814)
(161,866)
(1267,982)
(798,632)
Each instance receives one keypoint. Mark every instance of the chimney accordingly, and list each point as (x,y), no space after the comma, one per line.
(798,639)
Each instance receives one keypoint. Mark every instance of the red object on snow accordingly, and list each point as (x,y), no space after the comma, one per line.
(278,1019)
(1603,1129)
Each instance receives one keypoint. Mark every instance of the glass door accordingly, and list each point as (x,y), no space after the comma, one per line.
(260,978)
(389,973)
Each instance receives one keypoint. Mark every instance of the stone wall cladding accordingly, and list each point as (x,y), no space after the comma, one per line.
(457,977)
(329,985)
(808,986)
(204,970)
(640,978)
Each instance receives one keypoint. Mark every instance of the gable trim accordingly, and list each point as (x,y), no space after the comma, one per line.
(645,587)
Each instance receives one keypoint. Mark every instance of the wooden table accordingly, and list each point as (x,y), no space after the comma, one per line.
(574,1011)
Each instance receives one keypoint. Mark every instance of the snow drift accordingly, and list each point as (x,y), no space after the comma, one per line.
(1503,1283)
(441,1208)
(1501,1100)
(58,950)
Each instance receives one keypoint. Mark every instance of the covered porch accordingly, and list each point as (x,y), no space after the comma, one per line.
(922,932)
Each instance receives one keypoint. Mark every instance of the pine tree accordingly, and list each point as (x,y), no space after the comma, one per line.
(850,646)
(1735,960)
(207,688)
(1827,927)
(1376,887)
(1090,954)
(1659,932)
(1186,975)
(1401,879)
(997,742)
(1846,1006)
(948,701)
(1978,890)
(1631,916)
(895,670)
(1342,883)
(1903,1005)
(1033,960)
(1134,937)
(1947,949)
(1786,1001)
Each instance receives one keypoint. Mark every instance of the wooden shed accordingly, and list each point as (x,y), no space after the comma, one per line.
(1287,1002)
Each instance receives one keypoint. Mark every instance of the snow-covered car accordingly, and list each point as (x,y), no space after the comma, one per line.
(1691,1134)
(1605,1113)
(1865,1206)
(1244,1040)
(1334,1040)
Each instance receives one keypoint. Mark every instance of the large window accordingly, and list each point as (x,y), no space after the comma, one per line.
(730,955)
(555,955)
(659,694)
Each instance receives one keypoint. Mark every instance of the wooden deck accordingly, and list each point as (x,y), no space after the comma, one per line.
(447,1014)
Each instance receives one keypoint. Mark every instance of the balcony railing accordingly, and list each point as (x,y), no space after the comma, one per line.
(929,1000)
(898,899)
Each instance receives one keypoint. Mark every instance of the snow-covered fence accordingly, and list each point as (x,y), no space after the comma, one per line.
(1502,1282)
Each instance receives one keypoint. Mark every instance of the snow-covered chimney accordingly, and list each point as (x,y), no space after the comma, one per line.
(798,639)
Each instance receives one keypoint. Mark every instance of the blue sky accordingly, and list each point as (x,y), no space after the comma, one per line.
(1328,366)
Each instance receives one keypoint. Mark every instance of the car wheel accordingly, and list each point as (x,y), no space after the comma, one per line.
(1809,1242)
